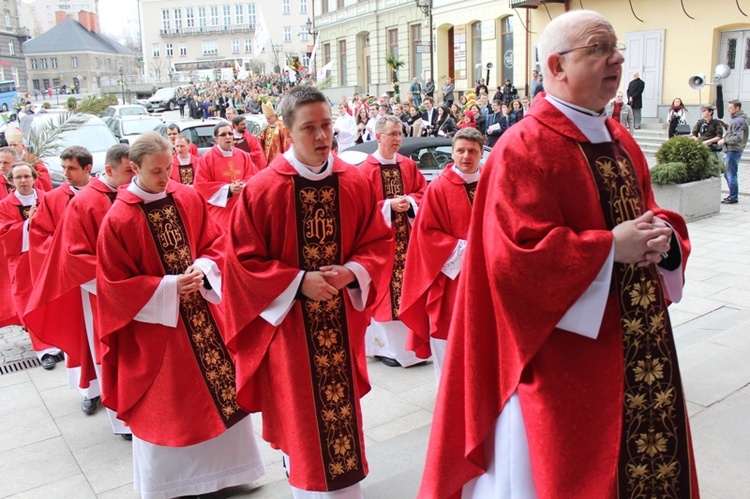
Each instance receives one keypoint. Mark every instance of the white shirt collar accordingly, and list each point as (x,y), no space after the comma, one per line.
(226,154)
(104,181)
(76,190)
(592,126)
(147,197)
(26,200)
(236,134)
(184,161)
(467,177)
(384,161)
(307,171)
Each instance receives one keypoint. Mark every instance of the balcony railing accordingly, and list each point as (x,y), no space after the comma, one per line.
(531,4)
(207,30)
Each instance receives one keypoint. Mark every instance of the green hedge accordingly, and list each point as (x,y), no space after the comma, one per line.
(698,161)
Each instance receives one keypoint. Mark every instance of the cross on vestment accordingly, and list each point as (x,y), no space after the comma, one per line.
(231,172)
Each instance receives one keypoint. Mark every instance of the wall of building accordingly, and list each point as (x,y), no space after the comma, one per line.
(93,69)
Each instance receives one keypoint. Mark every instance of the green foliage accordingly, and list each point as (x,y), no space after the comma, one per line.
(696,157)
(323,84)
(71,103)
(96,104)
(395,64)
(669,173)
(46,105)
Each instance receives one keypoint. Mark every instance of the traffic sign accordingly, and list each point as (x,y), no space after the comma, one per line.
(424,48)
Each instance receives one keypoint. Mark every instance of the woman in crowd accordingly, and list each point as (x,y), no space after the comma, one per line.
(446,125)
(677,115)
(361,120)
(480,118)
(468,121)
(414,122)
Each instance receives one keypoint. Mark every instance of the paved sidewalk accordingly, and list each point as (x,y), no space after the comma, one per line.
(48,448)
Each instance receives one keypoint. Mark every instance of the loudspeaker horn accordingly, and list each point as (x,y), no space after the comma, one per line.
(490,65)
(697,81)
(722,71)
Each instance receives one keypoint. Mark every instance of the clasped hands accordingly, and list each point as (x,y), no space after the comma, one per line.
(325,283)
(400,204)
(642,241)
(236,187)
(191,280)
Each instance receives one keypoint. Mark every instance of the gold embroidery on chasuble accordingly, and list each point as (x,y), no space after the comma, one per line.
(654,454)
(331,366)
(216,366)
(471,191)
(24,211)
(187,174)
(393,186)
(230,172)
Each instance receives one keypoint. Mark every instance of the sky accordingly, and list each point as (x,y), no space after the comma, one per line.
(116,15)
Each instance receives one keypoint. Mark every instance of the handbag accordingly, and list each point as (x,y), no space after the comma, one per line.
(682,129)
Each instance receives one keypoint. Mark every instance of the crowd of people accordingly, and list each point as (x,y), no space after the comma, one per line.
(259,277)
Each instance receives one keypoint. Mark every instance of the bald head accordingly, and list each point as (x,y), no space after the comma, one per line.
(580,59)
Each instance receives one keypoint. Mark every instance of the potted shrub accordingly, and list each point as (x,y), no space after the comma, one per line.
(687,178)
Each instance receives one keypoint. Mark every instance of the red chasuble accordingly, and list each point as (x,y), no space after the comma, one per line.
(8,316)
(251,145)
(307,374)
(185,174)
(537,240)
(5,187)
(428,296)
(173,386)
(44,181)
(390,181)
(12,217)
(71,263)
(43,225)
(216,171)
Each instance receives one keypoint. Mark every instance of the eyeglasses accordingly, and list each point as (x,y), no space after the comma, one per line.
(392,134)
(223,134)
(22,177)
(600,49)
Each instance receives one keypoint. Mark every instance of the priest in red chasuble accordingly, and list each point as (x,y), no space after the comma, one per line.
(184,163)
(166,371)
(561,358)
(8,316)
(245,141)
(16,211)
(222,174)
(173,131)
(306,255)
(275,138)
(66,283)
(76,162)
(436,250)
(399,186)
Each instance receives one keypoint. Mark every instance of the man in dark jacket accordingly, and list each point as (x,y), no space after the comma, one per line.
(708,129)
(735,140)
(497,123)
(429,88)
(635,97)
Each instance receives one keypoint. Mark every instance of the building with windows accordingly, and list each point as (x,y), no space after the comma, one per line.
(45,11)
(194,40)
(12,36)
(72,55)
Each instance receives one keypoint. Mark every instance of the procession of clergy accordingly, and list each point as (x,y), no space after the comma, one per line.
(189,292)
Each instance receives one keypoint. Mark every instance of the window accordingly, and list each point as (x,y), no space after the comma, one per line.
(305,60)
(169,50)
(227,11)
(342,62)
(287,33)
(44,63)
(182,47)
(339,4)
(303,34)
(303,6)
(53,62)
(476,50)
(235,46)
(96,62)
(73,62)
(324,6)
(202,17)
(210,47)
(393,41)
(33,63)
(214,15)
(178,19)
(11,47)
(165,19)
(416,57)
(326,53)
(190,20)
(7,18)
(239,14)
(154,50)
(248,44)
(251,15)
(285,7)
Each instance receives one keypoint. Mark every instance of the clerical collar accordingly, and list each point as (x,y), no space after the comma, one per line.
(237,135)
(469,178)
(591,125)
(184,161)
(309,172)
(226,154)
(76,190)
(384,161)
(147,197)
(104,181)
(27,200)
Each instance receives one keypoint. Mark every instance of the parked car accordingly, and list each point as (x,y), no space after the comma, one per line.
(256,123)
(94,135)
(430,153)
(165,99)
(200,133)
(129,128)
(143,103)
(124,110)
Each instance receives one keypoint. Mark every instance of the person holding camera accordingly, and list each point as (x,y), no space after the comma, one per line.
(708,129)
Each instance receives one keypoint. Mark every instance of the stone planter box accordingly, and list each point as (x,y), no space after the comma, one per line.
(693,200)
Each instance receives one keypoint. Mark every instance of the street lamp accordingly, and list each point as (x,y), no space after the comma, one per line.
(277,49)
(122,82)
(309,31)
(170,70)
(426,7)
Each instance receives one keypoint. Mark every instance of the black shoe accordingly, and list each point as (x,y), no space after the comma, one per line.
(48,362)
(88,406)
(388,361)
(728,200)
(126,436)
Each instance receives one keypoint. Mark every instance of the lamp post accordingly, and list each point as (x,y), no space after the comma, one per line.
(122,82)
(277,49)
(426,7)
(170,71)
(309,31)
